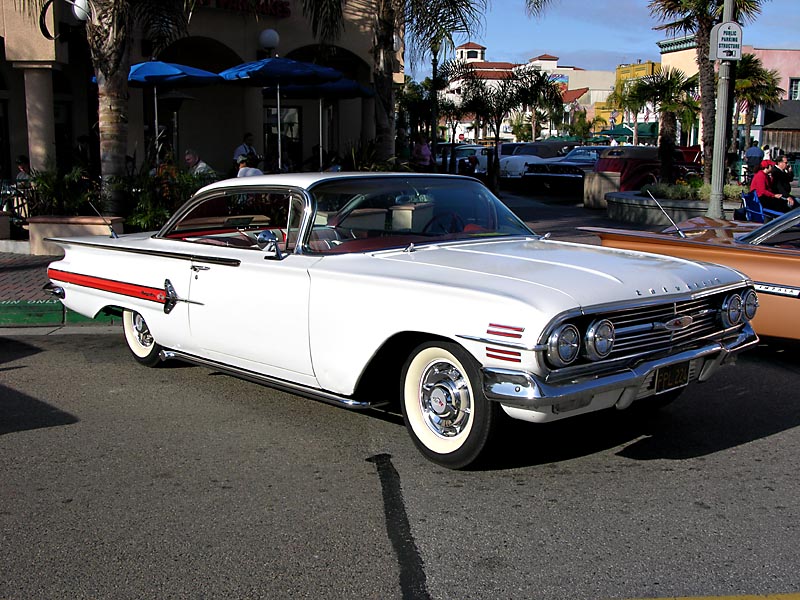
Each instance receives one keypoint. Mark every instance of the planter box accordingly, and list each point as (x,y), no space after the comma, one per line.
(596,186)
(631,207)
(40,228)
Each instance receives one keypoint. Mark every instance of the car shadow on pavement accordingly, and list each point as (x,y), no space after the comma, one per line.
(732,409)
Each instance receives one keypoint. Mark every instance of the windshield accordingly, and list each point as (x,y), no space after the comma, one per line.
(355,215)
(783,231)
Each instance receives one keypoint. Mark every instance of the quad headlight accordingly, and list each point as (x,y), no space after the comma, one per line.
(563,345)
(732,310)
(750,303)
(599,339)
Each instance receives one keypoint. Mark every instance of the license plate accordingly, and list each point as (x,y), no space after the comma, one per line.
(671,377)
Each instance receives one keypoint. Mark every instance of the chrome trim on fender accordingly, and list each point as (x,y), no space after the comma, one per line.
(522,389)
(774,289)
(204,258)
(278,384)
(495,342)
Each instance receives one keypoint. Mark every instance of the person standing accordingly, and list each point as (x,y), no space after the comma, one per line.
(421,154)
(246,148)
(23,169)
(753,157)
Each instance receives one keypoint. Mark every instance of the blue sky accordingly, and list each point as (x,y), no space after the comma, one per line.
(601,34)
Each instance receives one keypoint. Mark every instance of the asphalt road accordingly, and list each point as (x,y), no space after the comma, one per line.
(118,481)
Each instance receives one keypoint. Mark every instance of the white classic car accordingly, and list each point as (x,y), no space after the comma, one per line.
(362,289)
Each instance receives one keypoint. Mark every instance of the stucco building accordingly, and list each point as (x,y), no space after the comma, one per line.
(48,100)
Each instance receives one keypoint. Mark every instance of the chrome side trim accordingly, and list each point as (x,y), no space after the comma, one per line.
(494,342)
(279,384)
(522,389)
(776,289)
(216,260)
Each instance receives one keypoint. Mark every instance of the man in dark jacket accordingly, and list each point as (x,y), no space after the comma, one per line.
(782,176)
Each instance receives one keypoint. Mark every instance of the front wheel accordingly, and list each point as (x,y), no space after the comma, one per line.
(139,339)
(444,408)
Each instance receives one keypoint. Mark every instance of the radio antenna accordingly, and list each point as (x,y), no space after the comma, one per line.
(666,214)
(108,223)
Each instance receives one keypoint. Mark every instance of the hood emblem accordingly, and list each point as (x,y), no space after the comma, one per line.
(678,323)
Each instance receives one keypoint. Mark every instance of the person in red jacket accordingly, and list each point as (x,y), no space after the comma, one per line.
(762,185)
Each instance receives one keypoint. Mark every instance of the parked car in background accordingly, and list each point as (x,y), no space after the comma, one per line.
(639,165)
(513,167)
(565,171)
(472,159)
(443,150)
(769,254)
(366,289)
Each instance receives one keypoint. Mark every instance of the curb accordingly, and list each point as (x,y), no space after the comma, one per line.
(40,313)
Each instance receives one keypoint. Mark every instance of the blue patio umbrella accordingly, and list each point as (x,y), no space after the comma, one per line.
(340,89)
(156,73)
(277,72)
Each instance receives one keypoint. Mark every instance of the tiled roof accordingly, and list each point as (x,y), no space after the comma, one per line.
(471,46)
(545,57)
(572,95)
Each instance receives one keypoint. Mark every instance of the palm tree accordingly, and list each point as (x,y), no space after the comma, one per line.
(492,103)
(755,86)
(109,31)
(699,17)
(421,21)
(582,127)
(539,94)
(670,91)
(622,99)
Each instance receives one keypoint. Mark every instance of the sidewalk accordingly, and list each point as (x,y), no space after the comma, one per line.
(23,303)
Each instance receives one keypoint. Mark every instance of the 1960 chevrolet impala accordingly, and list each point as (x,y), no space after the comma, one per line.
(364,289)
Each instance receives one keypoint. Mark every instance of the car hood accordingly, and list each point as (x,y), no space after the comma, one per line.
(578,274)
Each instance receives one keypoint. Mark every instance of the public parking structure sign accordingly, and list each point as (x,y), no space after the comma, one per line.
(726,42)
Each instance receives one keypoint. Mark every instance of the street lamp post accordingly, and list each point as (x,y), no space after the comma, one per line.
(269,40)
(717,198)
(435,46)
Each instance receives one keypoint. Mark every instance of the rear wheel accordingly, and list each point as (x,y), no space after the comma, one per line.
(445,410)
(139,339)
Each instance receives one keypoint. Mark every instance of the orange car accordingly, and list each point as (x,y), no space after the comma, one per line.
(769,254)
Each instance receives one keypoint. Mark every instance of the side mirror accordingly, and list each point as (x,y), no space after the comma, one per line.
(267,242)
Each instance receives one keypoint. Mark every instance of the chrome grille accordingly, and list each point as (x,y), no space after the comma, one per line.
(642,329)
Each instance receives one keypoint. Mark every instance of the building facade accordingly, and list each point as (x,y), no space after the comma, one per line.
(48,103)
(581,89)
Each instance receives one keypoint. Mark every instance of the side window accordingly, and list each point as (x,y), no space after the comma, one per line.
(236,219)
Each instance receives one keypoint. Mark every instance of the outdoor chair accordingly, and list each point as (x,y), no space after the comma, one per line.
(754,211)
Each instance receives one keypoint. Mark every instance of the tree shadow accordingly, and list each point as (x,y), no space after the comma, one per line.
(20,412)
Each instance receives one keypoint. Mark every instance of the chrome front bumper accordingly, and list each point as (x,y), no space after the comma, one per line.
(522,389)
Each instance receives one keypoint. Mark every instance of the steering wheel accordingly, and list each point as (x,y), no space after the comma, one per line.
(446,222)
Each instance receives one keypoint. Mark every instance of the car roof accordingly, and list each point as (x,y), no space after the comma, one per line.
(309,180)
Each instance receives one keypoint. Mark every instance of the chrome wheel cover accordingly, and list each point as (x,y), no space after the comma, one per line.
(141,331)
(444,399)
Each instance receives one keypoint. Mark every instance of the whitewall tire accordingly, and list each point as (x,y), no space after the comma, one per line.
(139,339)
(445,410)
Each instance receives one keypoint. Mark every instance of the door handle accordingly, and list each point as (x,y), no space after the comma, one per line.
(197,268)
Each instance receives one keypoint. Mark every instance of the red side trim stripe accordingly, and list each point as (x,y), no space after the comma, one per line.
(505,330)
(501,354)
(109,285)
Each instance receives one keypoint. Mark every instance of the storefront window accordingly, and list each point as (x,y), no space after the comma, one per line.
(291,136)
